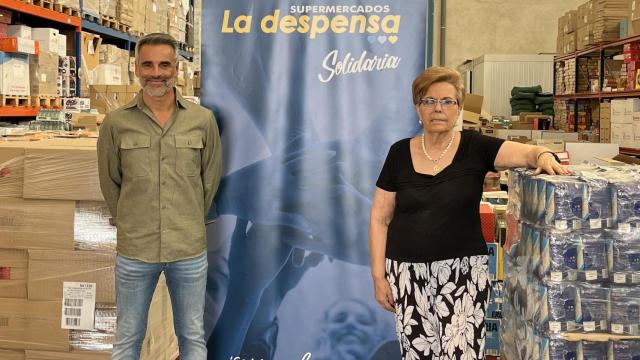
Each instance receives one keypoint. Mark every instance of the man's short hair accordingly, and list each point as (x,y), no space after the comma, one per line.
(158,39)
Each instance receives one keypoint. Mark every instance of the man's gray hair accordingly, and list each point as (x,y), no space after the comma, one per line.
(158,39)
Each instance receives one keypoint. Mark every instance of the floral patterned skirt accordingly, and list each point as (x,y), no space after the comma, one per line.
(440,307)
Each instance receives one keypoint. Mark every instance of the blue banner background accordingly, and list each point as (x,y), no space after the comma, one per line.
(288,253)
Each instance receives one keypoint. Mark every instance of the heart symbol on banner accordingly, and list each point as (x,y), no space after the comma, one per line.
(371,39)
(382,39)
(393,39)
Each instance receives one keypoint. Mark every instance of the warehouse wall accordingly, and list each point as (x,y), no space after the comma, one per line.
(478,27)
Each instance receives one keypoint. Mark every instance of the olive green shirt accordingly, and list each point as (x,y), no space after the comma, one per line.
(159,182)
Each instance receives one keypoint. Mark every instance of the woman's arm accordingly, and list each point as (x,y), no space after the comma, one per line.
(384,203)
(513,154)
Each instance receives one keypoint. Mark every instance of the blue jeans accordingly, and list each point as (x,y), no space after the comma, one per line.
(135,283)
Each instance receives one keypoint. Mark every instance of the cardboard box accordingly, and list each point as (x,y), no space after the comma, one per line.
(19,45)
(634,7)
(5,16)
(48,38)
(12,159)
(571,18)
(108,98)
(12,354)
(507,134)
(13,273)
(472,108)
(487,222)
(616,134)
(36,224)
(62,45)
(627,136)
(570,43)
(518,125)
(48,269)
(605,122)
(43,70)
(90,47)
(76,104)
(73,355)
(621,112)
(14,69)
(32,325)
(555,145)
(21,31)
(108,74)
(61,172)
(585,15)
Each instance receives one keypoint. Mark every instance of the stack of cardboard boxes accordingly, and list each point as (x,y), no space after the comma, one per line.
(569,76)
(605,122)
(584,22)
(156,16)
(607,15)
(102,64)
(55,238)
(625,122)
(107,98)
(177,20)
(568,23)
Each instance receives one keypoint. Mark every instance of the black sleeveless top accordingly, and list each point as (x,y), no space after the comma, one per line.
(437,217)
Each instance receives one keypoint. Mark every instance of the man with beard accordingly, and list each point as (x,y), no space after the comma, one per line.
(159,161)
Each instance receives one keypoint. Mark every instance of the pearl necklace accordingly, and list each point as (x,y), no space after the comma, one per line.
(436,167)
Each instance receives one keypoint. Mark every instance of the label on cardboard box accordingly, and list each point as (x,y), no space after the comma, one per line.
(78,305)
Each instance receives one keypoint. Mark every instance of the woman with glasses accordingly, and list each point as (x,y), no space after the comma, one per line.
(428,256)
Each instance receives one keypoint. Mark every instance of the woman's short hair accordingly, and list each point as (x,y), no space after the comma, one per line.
(434,75)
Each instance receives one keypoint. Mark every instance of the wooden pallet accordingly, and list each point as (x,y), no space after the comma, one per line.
(54,102)
(91,18)
(13,100)
(123,28)
(109,22)
(136,33)
(66,10)
(47,4)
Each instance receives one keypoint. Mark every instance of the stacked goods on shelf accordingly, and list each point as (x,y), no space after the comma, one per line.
(571,265)
(73,4)
(91,7)
(139,8)
(607,15)
(108,8)
(560,84)
(585,26)
(156,19)
(560,119)
(185,81)
(634,17)
(605,122)
(102,64)
(56,239)
(67,75)
(523,99)
(560,38)
(613,78)
(625,122)
(112,56)
(544,103)
(197,33)
(177,16)
(570,76)
(631,53)
(125,12)
(43,73)
(588,74)
(107,98)
(570,36)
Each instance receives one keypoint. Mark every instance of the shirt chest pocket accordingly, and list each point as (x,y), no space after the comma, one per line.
(188,150)
(135,154)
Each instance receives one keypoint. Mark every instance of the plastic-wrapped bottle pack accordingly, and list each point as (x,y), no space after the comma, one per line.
(624,256)
(624,350)
(625,310)
(594,303)
(593,350)
(559,310)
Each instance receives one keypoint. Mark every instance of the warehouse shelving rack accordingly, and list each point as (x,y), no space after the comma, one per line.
(600,52)
(39,16)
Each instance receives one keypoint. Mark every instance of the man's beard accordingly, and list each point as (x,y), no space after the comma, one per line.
(158,91)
